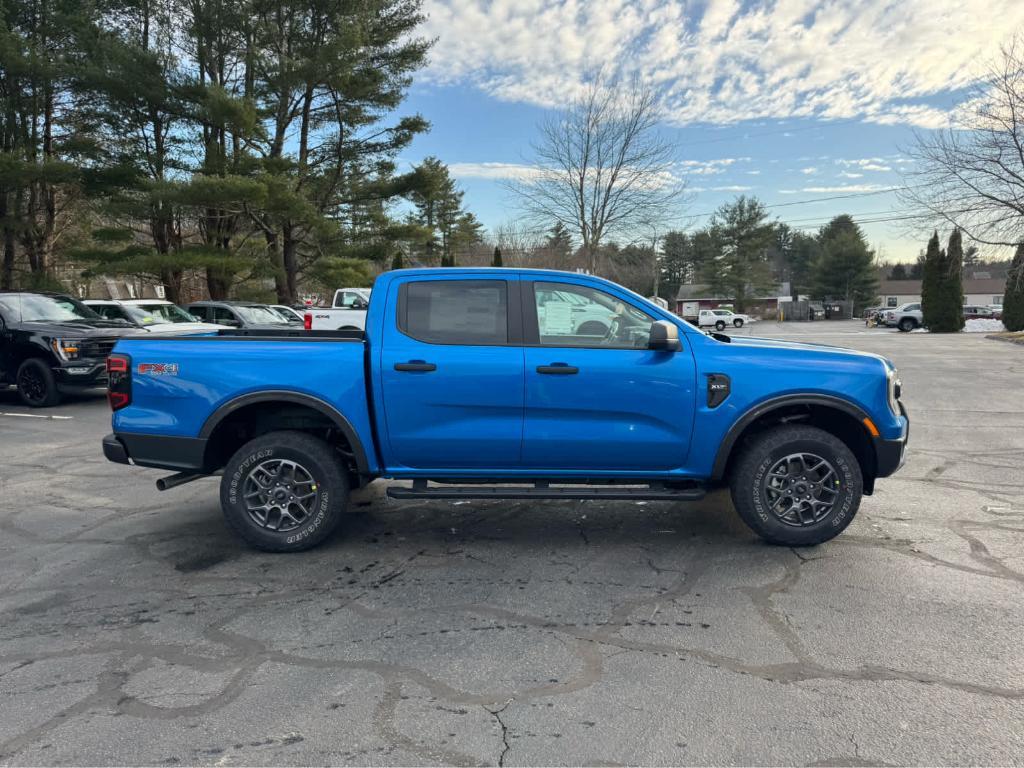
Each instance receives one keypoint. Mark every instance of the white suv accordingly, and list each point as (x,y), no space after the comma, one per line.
(906,318)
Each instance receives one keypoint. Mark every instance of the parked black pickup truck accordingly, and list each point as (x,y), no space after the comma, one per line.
(51,343)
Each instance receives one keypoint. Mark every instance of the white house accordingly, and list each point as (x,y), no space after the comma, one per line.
(983,291)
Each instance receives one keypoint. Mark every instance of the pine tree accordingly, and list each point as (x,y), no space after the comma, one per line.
(496,260)
(1013,298)
(931,270)
(846,267)
(397,262)
(945,311)
(739,267)
(559,243)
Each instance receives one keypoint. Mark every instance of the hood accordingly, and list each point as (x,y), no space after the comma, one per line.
(742,342)
(82,329)
(183,328)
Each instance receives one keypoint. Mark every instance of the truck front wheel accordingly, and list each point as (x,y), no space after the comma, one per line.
(284,491)
(36,385)
(796,485)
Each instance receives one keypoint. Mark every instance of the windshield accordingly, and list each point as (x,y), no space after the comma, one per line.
(260,315)
(33,308)
(158,314)
(284,314)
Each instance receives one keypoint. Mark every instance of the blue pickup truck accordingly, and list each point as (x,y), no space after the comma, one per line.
(505,383)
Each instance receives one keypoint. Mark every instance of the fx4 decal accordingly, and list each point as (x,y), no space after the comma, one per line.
(158,369)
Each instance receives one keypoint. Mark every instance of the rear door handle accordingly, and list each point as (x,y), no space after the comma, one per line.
(558,368)
(415,365)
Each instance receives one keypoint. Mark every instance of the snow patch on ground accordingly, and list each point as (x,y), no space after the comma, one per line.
(976,325)
(983,325)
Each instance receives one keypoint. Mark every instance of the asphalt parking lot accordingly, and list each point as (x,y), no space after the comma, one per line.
(134,629)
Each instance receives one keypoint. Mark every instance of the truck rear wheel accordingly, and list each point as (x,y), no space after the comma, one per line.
(284,491)
(720,325)
(796,485)
(907,324)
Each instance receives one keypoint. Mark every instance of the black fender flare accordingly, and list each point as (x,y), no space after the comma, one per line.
(298,398)
(767,406)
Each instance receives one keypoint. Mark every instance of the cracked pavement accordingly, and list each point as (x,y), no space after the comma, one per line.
(134,629)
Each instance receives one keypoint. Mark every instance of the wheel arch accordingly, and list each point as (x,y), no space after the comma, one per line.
(835,415)
(292,401)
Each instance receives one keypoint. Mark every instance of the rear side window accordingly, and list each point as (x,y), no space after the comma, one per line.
(471,312)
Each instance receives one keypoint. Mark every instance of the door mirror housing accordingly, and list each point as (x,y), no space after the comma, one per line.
(664,336)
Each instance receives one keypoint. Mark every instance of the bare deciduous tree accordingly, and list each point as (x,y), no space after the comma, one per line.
(971,175)
(601,168)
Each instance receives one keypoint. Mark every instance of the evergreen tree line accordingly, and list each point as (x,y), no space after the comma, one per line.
(256,139)
(742,254)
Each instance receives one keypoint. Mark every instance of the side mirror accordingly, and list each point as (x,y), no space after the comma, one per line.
(664,336)
(360,304)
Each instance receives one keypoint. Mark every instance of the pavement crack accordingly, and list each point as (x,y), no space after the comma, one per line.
(496,714)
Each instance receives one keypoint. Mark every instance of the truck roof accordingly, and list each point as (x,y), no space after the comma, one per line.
(489,271)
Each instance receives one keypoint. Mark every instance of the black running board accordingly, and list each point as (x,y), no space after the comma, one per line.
(542,490)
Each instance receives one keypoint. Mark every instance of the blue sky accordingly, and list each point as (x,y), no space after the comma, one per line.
(788,100)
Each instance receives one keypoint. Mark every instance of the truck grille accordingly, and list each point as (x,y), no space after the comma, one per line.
(97,348)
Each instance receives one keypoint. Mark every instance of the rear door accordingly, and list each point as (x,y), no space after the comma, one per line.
(451,372)
(596,397)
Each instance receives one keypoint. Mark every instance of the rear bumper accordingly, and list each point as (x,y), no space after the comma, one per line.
(891,454)
(159,451)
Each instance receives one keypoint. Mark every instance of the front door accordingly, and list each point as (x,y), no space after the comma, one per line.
(596,397)
(451,372)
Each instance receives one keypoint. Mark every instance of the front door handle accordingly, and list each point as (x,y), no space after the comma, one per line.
(415,365)
(558,368)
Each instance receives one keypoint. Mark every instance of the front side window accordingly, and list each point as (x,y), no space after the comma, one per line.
(224,316)
(911,307)
(471,312)
(592,319)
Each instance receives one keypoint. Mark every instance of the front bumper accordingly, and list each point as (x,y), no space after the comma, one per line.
(84,374)
(890,455)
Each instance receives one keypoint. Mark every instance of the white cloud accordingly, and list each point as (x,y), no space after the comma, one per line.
(732,188)
(810,171)
(709,167)
(722,61)
(866,164)
(753,173)
(493,171)
(850,175)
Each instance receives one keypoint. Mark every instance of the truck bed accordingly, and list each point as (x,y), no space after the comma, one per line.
(180,386)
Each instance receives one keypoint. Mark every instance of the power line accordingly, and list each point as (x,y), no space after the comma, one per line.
(821,199)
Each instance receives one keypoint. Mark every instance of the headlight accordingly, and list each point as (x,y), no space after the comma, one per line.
(895,390)
(65,349)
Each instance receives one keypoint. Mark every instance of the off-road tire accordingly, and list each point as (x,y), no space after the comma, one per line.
(762,453)
(324,467)
(36,385)
(738,322)
(720,325)
(907,324)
